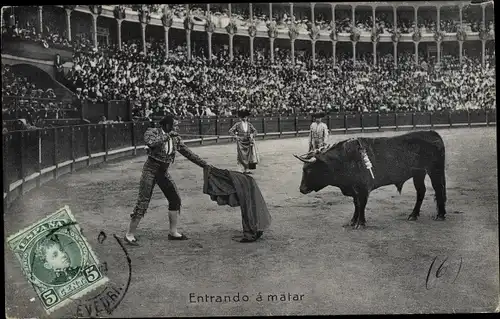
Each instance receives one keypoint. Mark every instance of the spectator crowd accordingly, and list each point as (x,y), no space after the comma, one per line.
(384,21)
(218,86)
(23,24)
(21,98)
(15,85)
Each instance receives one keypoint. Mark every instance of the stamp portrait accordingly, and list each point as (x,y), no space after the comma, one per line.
(57,260)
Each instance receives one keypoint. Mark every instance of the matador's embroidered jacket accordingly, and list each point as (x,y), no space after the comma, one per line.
(162,147)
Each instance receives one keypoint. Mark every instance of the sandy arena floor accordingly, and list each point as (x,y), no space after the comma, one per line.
(381,269)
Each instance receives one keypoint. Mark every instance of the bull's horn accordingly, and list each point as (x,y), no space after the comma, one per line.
(308,154)
(310,160)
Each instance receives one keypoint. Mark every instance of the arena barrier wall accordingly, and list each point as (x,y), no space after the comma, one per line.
(32,158)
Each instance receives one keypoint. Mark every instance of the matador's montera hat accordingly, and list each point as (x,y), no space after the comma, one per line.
(243,113)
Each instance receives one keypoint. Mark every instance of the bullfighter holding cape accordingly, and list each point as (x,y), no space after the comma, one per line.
(245,132)
(225,187)
(163,142)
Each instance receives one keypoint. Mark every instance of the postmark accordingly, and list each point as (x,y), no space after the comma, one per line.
(109,298)
(57,260)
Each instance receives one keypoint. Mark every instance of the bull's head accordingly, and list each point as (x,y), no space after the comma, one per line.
(317,172)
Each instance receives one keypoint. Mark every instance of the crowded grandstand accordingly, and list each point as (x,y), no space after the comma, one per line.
(278,58)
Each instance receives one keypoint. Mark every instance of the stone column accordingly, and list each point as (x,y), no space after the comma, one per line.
(483,43)
(374,43)
(353,26)
(119,32)
(333,14)
(166,42)
(395,44)
(313,21)
(461,48)
(231,38)
(374,53)
(483,21)
(354,52)
(40,19)
(251,49)
(143,36)
(188,36)
(353,6)
(460,14)
(483,53)
(334,52)
(209,47)
(313,42)
(2,25)
(415,10)
(438,28)
(416,53)
(292,41)
(334,43)
(94,28)
(271,48)
(209,35)
(271,40)
(313,51)
(188,41)
(438,18)
(68,23)
(395,17)
(373,14)
(460,43)
(250,38)
(438,51)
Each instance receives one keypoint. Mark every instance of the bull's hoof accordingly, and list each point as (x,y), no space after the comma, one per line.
(360,226)
(412,217)
(440,218)
(349,224)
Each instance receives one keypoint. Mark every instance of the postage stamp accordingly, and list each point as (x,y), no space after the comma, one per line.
(57,260)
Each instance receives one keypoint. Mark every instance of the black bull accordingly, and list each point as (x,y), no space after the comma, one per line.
(394,159)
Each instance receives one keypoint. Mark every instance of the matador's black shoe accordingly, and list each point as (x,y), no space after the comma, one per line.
(246,240)
(182,237)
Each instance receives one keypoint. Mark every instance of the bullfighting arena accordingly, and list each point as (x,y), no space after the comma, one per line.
(392,266)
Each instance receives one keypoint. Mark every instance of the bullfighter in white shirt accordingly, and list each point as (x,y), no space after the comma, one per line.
(318,133)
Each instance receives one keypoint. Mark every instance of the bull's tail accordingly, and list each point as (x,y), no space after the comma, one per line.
(441,167)
(437,172)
